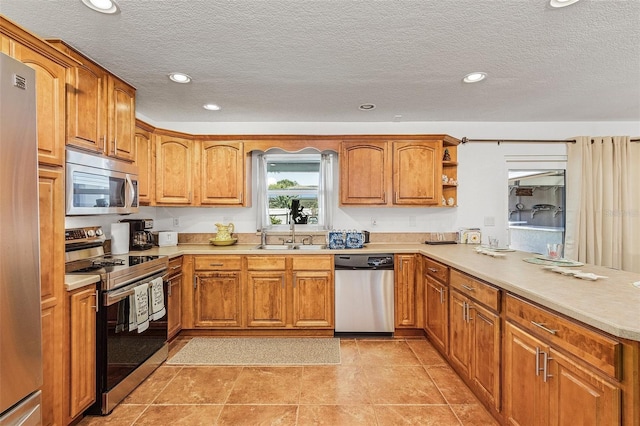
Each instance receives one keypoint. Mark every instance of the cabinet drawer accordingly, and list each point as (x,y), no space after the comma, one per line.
(476,290)
(595,348)
(218,263)
(436,270)
(175,266)
(265,263)
(312,263)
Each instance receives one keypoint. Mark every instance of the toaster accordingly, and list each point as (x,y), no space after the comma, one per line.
(167,238)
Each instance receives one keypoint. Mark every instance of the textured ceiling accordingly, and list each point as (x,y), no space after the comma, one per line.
(317,60)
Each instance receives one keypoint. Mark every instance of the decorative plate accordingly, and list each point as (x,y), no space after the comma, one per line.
(223,242)
(557,262)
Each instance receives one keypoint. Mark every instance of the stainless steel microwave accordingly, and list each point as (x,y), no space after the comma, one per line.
(99,185)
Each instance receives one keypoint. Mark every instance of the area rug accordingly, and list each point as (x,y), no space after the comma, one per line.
(258,351)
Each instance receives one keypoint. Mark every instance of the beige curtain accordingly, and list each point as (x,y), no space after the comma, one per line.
(603,202)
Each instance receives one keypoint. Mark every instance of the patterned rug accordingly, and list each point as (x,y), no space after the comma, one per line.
(258,351)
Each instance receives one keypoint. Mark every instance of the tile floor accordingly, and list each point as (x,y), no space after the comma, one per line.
(379,382)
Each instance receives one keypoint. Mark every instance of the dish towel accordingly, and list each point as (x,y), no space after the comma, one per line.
(141,294)
(156,296)
(132,313)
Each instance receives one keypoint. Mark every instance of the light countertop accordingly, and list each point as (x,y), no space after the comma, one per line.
(610,304)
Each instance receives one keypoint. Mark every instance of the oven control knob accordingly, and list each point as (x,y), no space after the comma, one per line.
(91,233)
(98,232)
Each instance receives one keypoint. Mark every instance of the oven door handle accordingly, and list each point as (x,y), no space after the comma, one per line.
(113,297)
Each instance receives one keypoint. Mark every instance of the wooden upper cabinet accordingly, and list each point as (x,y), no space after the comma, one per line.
(86,103)
(223,174)
(144,160)
(417,172)
(175,159)
(391,173)
(50,104)
(121,130)
(364,173)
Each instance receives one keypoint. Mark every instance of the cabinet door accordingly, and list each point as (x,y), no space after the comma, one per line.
(144,161)
(266,298)
(82,305)
(526,394)
(51,210)
(222,173)
(121,130)
(217,299)
(485,353)
(174,306)
(174,170)
(405,291)
(313,299)
(86,106)
(50,104)
(364,173)
(417,173)
(460,336)
(579,397)
(437,313)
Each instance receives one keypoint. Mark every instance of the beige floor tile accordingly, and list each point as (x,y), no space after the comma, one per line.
(344,384)
(426,353)
(386,352)
(349,353)
(200,385)
(122,415)
(452,387)
(180,415)
(473,415)
(258,415)
(152,386)
(401,385)
(267,385)
(336,415)
(423,415)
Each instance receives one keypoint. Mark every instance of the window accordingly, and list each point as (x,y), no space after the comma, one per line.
(305,177)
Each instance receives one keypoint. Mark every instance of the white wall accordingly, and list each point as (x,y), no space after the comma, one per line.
(482,191)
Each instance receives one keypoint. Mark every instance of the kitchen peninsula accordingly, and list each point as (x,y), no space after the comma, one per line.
(590,327)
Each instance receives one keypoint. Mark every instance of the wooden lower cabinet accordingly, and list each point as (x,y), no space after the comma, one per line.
(174,298)
(266,298)
(218,299)
(313,299)
(474,346)
(405,291)
(436,315)
(545,387)
(82,349)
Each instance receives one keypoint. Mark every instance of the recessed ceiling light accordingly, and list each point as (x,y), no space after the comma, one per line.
(179,77)
(102,6)
(562,3)
(474,77)
(211,107)
(366,107)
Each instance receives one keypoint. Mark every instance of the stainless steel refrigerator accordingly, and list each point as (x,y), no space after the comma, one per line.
(20,321)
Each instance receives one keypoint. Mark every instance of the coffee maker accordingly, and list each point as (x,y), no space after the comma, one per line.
(140,237)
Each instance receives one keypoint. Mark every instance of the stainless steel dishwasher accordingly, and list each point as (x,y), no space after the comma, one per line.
(364,293)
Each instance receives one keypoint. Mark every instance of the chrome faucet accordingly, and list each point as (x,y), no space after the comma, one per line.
(263,237)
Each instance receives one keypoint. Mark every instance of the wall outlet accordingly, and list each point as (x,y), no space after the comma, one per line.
(176,222)
(374,222)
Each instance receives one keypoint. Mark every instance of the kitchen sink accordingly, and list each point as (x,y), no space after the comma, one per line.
(291,247)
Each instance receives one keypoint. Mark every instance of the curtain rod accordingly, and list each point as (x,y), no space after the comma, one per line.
(499,141)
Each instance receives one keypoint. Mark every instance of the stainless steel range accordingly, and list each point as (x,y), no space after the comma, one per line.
(125,353)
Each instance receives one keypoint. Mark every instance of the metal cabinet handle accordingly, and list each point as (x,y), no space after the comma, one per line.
(295,276)
(195,281)
(97,305)
(441,291)
(216,264)
(542,326)
(545,367)
(173,268)
(538,352)
(464,311)
(466,287)
(434,270)
(469,307)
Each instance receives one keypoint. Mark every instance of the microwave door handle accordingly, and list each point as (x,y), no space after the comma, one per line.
(132,192)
